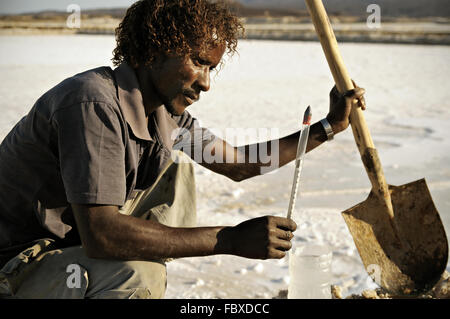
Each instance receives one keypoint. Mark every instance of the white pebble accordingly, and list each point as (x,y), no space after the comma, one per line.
(199,282)
(259,268)
(349,251)
(243,271)
(237,192)
(286,279)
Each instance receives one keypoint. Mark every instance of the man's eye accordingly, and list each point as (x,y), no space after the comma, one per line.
(199,62)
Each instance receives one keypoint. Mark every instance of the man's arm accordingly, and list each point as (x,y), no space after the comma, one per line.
(105,233)
(238,166)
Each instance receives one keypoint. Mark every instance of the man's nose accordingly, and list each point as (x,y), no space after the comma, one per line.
(204,79)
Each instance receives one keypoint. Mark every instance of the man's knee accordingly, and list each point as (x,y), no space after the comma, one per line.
(148,274)
(69,273)
(130,279)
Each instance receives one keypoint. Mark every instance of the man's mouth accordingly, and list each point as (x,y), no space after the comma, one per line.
(191,98)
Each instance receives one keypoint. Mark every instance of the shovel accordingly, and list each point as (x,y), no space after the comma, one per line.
(397,229)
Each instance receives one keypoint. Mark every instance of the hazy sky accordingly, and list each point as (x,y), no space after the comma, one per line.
(22,6)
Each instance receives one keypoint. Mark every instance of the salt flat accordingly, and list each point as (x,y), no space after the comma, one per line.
(269,85)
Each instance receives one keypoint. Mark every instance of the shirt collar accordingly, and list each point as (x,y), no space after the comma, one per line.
(132,105)
(131,101)
(164,125)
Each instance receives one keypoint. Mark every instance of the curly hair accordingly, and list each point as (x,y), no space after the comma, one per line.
(174,27)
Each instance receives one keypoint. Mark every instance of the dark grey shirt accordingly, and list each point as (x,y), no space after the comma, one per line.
(86,141)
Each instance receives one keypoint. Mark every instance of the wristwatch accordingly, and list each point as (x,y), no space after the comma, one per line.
(328,129)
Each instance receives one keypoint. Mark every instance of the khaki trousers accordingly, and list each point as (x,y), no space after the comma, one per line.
(44,272)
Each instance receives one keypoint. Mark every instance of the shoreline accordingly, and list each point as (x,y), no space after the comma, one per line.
(426,33)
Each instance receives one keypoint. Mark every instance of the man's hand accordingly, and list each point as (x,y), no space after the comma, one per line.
(265,237)
(341,106)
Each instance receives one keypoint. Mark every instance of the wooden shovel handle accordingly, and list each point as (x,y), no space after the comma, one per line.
(344,83)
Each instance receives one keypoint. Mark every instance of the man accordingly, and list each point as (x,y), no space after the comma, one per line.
(92,199)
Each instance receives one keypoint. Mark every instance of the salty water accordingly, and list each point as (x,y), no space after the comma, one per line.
(268,85)
(310,272)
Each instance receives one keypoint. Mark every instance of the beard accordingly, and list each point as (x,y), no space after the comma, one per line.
(169,103)
(171,109)
(177,104)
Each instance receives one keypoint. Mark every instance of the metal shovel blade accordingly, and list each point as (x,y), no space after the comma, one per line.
(406,255)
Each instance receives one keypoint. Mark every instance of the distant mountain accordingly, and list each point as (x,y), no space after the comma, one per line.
(390,8)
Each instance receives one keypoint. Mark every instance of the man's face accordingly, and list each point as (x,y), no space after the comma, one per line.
(178,81)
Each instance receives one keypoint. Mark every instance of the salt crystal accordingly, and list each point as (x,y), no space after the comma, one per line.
(349,251)
(281,261)
(259,268)
(237,192)
(199,282)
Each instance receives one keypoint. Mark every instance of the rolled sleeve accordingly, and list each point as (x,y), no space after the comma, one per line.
(91,154)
